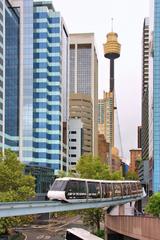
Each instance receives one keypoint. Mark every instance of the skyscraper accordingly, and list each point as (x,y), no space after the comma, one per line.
(25,8)
(75,141)
(9,77)
(81,108)
(106,117)
(11,63)
(50,86)
(2,72)
(84,75)
(154,97)
(43,91)
(145,90)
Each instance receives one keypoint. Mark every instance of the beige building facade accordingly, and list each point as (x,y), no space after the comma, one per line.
(84,79)
(106,117)
(81,108)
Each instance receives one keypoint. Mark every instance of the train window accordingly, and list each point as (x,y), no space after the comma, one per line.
(82,192)
(71,236)
(124,189)
(72,186)
(128,188)
(139,187)
(82,186)
(117,189)
(59,185)
(134,188)
(94,190)
(72,189)
(106,190)
(109,188)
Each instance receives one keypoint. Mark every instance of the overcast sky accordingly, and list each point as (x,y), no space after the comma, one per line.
(95,16)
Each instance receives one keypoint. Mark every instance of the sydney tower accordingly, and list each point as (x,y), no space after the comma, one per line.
(112,51)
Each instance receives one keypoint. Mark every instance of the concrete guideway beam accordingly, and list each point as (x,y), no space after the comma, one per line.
(10,209)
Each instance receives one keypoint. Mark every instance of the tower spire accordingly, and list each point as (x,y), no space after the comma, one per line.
(112,24)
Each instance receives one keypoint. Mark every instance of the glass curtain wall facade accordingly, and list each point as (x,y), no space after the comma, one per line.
(2,71)
(50,84)
(11,78)
(27,91)
(154,97)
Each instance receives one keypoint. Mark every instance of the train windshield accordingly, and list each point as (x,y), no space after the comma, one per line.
(59,185)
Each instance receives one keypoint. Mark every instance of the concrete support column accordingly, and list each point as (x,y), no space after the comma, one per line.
(121,210)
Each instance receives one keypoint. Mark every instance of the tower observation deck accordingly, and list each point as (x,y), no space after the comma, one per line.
(112,51)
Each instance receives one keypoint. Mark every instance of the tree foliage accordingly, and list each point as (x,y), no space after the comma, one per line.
(153,206)
(14,186)
(92,168)
(92,218)
(131,176)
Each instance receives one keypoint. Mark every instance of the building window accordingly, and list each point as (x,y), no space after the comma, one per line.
(73,140)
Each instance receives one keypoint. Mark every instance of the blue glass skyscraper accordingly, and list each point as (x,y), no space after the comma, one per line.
(154,97)
(50,87)
(9,77)
(2,72)
(11,125)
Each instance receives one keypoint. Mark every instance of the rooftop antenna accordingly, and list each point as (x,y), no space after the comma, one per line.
(112,24)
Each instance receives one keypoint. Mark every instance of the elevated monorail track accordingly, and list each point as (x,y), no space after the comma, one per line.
(10,209)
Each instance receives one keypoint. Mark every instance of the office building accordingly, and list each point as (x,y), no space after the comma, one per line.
(11,95)
(143,131)
(25,9)
(115,164)
(50,87)
(145,90)
(139,134)
(43,92)
(75,141)
(84,77)
(103,149)
(135,159)
(154,98)
(2,73)
(9,77)
(106,117)
(80,107)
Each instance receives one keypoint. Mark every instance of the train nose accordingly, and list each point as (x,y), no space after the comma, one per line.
(49,194)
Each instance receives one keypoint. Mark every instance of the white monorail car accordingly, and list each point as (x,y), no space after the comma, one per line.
(76,189)
(80,234)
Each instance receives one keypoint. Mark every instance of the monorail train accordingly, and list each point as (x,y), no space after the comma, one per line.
(76,189)
(80,234)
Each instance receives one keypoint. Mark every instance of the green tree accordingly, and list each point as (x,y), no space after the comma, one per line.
(153,206)
(14,186)
(62,173)
(92,168)
(131,176)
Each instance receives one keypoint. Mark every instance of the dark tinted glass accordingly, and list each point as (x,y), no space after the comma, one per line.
(70,236)
(59,185)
